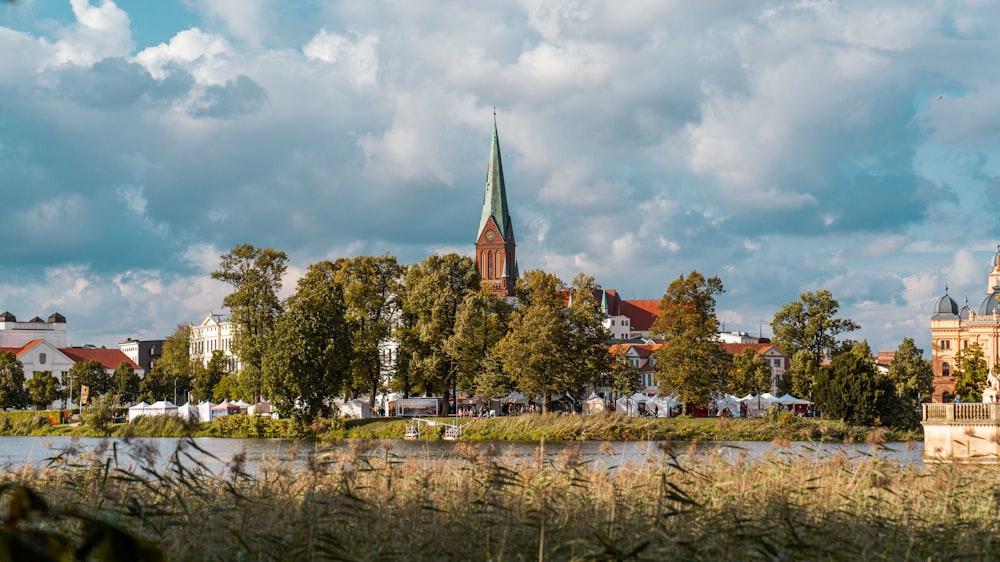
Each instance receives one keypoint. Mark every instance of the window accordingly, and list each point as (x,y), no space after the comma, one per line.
(489,264)
(41,358)
(777,362)
(965,344)
(946,370)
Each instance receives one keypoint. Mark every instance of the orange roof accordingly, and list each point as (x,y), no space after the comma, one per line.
(737,348)
(108,358)
(641,313)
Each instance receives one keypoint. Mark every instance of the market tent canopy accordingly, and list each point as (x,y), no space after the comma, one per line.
(137,410)
(514,397)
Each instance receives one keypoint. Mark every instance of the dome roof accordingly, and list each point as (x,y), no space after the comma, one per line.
(964,313)
(990,304)
(945,308)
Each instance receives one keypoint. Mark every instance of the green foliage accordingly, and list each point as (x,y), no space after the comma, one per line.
(371,288)
(625,378)
(431,295)
(690,363)
(810,324)
(12,391)
(207,378)
(243,425)
(173,371)
(972,370)
(853,389)
(100,412)
(91,374)
(480,323)
(125,383)
(751,373)
(308,359)
(159,426)
(255,275)
(44,389)
(913,379)
(803,373)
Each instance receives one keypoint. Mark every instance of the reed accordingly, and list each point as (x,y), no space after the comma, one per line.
(364,503)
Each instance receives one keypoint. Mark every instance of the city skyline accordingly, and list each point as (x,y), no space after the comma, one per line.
(783,146)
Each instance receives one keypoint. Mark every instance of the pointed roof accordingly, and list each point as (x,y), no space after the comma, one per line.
(495,201)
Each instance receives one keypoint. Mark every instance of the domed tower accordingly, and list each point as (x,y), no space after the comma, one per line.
(946,330)
(495,257)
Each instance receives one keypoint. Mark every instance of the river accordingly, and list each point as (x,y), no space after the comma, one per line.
(217,453)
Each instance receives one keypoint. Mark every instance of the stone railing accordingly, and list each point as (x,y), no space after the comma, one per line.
(963,411)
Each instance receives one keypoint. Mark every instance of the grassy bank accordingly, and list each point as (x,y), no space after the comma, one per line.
(369,505)
(553,427)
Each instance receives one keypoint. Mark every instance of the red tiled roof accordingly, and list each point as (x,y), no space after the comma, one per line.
(641,313)
(108,358)
(737,348)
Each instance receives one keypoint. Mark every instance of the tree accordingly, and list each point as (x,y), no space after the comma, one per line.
(371,288)
(44,389)
(12,391)
(588,351)
(913,378)
(175,363)
(542,350)
(852,388)
(158,384)
(308,361)
(690,363)
(208,377)
(803,373)
(91,374)
(625,378)
(810,324)
(431,294)
(750,374)
(255,275)
(125,383)
(971,369)
(480,323)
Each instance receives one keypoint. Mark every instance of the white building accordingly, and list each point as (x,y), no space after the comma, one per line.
(18,334)
(214,333)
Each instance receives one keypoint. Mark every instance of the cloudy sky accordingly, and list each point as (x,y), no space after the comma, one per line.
(783,146)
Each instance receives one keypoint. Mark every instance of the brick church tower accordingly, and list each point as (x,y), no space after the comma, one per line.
(495,258)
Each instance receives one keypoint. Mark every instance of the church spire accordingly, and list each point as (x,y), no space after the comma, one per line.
(495,201)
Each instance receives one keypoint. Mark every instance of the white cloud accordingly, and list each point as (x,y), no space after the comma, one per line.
(101,31)
(360,57)
(185,47)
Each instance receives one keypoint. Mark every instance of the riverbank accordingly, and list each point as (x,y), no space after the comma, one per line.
(534,427)
(363,504)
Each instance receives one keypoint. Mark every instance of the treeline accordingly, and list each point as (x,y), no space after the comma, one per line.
(329,339)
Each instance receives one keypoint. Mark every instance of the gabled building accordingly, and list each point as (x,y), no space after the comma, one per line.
(215,332)
(496,258)
(642,356)
(17,334)
(777,359)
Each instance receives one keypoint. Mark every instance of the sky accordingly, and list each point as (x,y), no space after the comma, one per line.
(785,147)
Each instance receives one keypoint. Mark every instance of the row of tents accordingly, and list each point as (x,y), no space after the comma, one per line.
(203,411)
(750,405)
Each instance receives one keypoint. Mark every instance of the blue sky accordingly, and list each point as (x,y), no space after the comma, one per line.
(783,146)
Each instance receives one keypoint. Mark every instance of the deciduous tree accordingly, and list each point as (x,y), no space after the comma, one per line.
(12,391)
(89,373)
(972,370)
(690,363)
(751,374)
(308,361)
(852,388)
(480,323)
(803,372)
(810,324)
(255,275)
(208,377)
(125,383)
(913,378)
(371,289)
(43,389)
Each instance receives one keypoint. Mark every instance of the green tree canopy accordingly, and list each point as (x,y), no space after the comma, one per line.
(208,377)
(371,289)
(43,389)
(89,373)
(803,372)
(913,378)
(12,391)
(480,323)
(852,388)
(588,337)
(308,361)
(972,370)
(125,383)
(255,275)
(690,363)
(625,378)
(810,324)
(431,295)
(751,373)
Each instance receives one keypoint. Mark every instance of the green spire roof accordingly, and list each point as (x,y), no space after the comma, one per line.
(495,202)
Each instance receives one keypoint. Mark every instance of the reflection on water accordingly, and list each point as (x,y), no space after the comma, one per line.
(217,453)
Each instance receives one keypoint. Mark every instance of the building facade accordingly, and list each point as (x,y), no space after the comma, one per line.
(214,333)
(496,259)
(954,328)
(144,353)
(18,334)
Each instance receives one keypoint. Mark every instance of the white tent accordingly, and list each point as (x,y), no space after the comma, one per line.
(161,408)
(188,412)
(594,404)
(355,408)
(514,397)
(790,400)
(730,403)
(242,404)
(137,410)
(630,404)
(205,411)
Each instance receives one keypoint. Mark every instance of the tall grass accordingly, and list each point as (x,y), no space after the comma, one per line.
(364,503)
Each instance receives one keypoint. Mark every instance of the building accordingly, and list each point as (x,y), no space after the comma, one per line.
(954,328)
(144,353)
(214,333)
(496,259)
(643,356)
(777,359)
(17,334)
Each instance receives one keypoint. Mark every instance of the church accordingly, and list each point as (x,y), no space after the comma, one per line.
(954,328)
(495,248)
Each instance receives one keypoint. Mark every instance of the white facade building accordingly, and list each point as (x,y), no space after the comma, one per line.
(19,334)
(214,333)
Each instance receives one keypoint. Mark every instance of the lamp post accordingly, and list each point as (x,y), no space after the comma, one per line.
(175,391)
